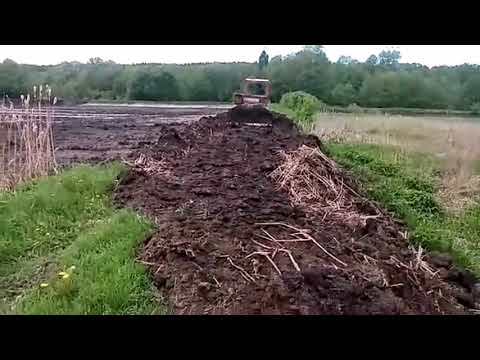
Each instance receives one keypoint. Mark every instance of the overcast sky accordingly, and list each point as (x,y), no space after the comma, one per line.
(430,55)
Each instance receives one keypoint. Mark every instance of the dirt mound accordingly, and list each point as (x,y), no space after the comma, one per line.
(257,220)
(258,114)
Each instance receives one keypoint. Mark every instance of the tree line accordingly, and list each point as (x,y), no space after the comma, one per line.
(381,81)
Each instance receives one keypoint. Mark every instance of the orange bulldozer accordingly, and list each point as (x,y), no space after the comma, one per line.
(263,89)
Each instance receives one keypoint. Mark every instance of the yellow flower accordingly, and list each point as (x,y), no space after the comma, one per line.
(65,276)
(62,273)
(43,285)
(72,268)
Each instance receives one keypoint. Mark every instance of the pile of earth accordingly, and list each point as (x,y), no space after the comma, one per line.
(253,218)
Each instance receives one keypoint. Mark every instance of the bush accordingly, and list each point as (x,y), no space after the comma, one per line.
(475,109)
(303,105)
(355,109)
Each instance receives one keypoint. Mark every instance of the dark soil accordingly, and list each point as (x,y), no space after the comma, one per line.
(97,134)
(207,187)
(92,134)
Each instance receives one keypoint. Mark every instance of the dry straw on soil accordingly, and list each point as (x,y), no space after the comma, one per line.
(26,138)
(315,183)
(311,179)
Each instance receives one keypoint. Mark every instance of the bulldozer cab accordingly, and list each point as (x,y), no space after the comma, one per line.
(255,92)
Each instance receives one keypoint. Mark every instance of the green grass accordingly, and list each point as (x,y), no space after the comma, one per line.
(303,122)
(392,111)
(402,111)
(68,220)
(407,184)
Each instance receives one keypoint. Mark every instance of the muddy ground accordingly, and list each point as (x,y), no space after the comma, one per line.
(102,133)
(232,240)
(92,134)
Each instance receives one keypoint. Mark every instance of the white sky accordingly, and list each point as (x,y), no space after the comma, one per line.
(430,55)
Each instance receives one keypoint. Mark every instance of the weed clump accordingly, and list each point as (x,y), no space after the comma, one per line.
(303,105)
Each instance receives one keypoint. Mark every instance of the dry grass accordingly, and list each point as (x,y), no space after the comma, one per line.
(452,140)
(311,179)
(26,138)
(315,183)
(149,166)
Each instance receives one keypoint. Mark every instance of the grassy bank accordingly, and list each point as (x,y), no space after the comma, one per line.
(422,169)
(64,249)
(357,110)
(401,111)
(407,185)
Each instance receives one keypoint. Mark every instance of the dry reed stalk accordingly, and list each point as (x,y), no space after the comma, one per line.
(304,233)
(26,138)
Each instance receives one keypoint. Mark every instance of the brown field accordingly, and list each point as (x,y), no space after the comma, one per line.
(96,133)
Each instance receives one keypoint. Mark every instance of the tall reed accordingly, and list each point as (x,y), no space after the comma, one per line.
(26,138)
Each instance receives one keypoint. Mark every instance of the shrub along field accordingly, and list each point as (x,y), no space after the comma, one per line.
(423,169)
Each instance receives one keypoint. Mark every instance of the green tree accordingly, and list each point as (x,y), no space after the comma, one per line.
(200,87)
(346,60)
(95,61)
(380,81)
(372,60)
(389,58)
(471,91)
(344,94)
(263,60)
(12,78)
(380,90)
(148,85)
(121,84)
